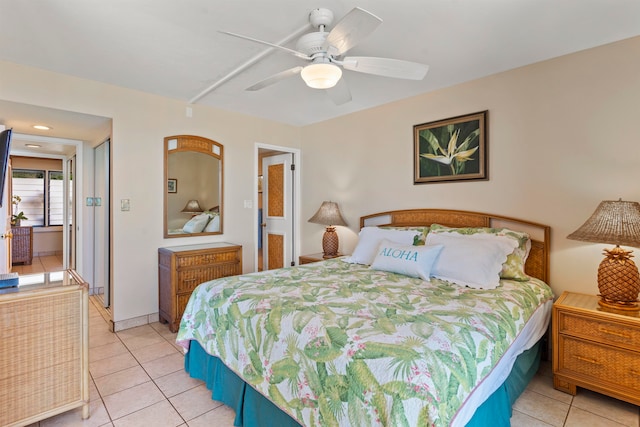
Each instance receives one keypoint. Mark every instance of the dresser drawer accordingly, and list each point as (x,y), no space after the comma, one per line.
(599,330)
(189,278)
(602,364)
(185,261)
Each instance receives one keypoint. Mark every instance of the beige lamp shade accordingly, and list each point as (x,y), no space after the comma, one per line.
(329,214)
(192,206)
(615,222)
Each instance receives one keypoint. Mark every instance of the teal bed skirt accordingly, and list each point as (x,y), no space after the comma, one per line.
(255,410)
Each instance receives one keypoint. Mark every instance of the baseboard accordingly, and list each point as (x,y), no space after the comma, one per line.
(121,325)
(47,253)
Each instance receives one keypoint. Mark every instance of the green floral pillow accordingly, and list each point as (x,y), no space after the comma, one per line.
(513,267)
(421,233)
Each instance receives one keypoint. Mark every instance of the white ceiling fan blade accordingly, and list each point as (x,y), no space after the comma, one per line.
(286,49)
(386,67)
(351,30)
(275,78)
(340,93)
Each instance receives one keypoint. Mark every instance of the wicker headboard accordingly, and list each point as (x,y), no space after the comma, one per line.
(538,261)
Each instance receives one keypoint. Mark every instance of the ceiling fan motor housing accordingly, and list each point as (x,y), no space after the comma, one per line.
(319,17)
(311,43)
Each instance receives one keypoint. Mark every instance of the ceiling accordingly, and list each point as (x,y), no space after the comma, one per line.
(174,48)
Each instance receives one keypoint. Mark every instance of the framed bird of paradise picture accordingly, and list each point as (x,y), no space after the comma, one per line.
(453,149)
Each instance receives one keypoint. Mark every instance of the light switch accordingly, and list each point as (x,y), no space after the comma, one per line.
(248,204)
(125,205)
(89,201)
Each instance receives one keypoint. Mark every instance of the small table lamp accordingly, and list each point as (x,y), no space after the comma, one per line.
(192,207)
(617,223)
(329,215)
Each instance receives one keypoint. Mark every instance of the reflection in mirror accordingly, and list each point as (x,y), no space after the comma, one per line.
(193,186)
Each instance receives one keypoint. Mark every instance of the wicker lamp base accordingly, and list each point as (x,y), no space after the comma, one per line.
(330,243)
(618,280)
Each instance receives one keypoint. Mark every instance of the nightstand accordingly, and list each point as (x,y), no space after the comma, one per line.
(595,349)
(307,259)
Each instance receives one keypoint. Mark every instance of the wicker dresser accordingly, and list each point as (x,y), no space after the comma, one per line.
(44,342)
(182,268)
(22,245)
(595,349)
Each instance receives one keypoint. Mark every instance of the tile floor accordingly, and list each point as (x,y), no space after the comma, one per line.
(39,264)
(138,379)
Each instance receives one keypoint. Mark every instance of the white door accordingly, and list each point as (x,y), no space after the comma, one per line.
(101,222)
(277,211)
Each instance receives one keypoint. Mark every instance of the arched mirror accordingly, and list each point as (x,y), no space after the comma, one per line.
(193,186)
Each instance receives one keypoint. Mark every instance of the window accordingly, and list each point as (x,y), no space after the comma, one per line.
(41,199)
(56,198)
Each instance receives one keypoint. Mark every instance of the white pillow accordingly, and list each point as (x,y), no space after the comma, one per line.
(213,225)
(196,224)
(414,261)
(370,238)
(471,260)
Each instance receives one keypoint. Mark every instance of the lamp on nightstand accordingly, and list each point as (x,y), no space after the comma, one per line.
(617,223)
(329,215)
(192,207)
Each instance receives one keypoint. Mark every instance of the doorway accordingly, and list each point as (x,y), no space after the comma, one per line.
(277,207)
(47,198)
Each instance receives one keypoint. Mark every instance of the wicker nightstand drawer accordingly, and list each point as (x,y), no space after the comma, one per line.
(594,348)
(603,364)
(307,259)
(599,330)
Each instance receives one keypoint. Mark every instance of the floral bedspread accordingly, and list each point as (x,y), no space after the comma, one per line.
(338,344)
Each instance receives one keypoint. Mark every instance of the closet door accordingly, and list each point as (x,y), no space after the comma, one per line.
(101,222)
(278,210)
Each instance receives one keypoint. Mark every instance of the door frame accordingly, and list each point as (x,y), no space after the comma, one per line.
(295,203)
(78,145)
(105,231)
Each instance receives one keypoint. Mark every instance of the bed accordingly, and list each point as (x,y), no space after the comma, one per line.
(359,341)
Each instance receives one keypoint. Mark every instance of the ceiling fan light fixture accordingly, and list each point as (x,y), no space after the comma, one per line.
(321,76)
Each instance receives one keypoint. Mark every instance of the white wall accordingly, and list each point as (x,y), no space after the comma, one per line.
(140,122)
(562,136)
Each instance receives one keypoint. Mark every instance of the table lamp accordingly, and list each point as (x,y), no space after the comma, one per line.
(617,223)
(192,207)
(329,214)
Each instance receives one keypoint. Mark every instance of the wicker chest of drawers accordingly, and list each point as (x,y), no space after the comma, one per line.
(595,349)
(44,348)
(182,268)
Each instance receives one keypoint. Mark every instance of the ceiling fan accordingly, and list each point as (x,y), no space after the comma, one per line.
(325,50)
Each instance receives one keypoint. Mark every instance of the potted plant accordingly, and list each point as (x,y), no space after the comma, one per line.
(17,216)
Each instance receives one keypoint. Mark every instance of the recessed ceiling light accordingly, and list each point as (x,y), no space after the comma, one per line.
(42,127)
(32,145)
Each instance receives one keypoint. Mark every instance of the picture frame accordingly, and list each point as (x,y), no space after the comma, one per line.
(453,149)
(172,185)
